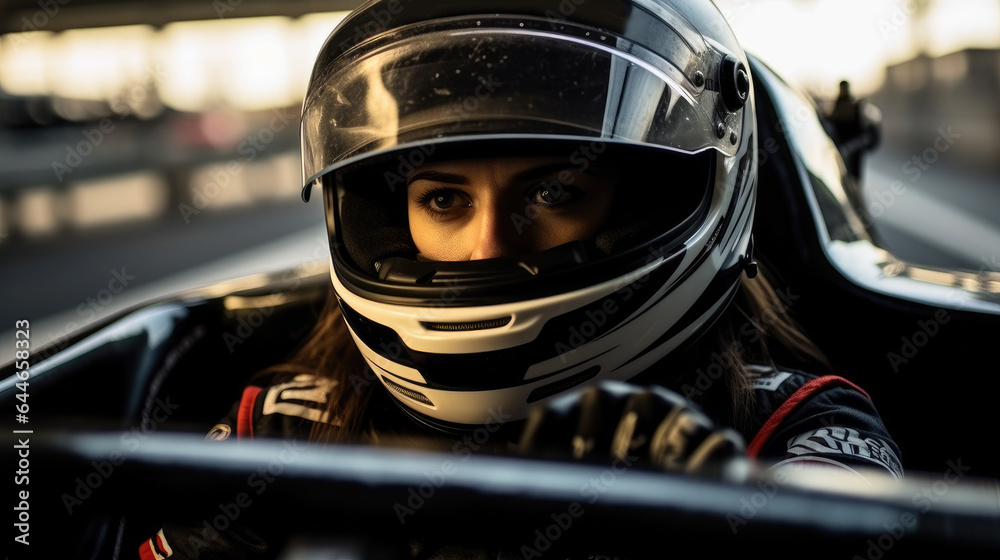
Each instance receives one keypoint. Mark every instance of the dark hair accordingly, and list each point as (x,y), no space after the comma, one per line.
(754,328)
(757,328)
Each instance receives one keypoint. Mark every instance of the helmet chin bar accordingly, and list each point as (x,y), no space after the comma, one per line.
(409,271)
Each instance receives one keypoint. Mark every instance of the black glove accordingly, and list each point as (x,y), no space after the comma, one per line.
(652,426)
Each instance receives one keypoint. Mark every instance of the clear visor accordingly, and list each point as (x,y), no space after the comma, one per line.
(431,84)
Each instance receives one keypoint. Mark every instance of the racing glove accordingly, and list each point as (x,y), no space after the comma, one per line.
(652,425)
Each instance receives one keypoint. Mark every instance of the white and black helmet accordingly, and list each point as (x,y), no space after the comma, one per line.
(655,89)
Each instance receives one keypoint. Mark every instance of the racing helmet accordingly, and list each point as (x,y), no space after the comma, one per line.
(656,91)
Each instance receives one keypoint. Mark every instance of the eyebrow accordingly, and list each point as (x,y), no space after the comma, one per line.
(440,177)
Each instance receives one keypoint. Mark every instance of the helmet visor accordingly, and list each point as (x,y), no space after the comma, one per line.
(456,79)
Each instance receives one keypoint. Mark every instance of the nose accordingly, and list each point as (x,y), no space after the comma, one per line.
(496,235)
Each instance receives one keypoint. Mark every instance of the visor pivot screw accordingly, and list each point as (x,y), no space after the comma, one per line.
(734,83)
(699,79)
(732,138)
(720,130)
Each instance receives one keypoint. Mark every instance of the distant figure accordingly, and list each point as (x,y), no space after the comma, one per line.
(855,124)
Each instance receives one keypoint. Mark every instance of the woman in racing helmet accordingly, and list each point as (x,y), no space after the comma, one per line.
(542,210)
(528,199)
(531,198)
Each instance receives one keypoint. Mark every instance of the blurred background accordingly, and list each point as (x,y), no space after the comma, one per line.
(149,147)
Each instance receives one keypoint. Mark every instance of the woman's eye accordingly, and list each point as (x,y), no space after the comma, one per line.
(552,194)
(441,201)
